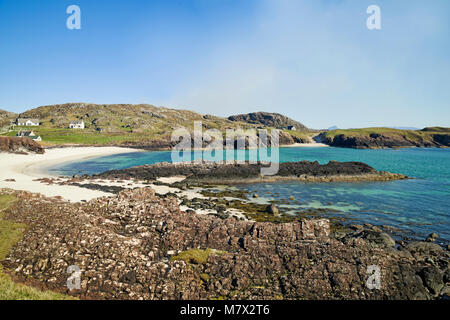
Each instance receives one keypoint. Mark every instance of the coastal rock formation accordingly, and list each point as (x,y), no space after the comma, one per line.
(20,145)
(210,172)
(268,119)
(137,245)
(364,139)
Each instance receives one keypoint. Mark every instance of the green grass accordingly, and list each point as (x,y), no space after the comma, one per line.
(437,129)
(301,134)
(413,135)
(10,234)
(60,136)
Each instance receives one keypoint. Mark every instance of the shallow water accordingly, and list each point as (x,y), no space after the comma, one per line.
(418,206)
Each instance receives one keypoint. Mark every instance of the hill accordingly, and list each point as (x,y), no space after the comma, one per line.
(267,119)
(436,129)
(143,126)
(368,138)
(6,118)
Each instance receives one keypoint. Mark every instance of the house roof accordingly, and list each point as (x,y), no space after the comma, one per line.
(25,133)
(34,120)
(77,122)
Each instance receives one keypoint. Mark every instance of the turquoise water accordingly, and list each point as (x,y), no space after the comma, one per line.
(418,206)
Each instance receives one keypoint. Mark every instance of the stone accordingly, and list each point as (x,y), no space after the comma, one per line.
(433,279)
(272,209)
(376,229)
(381,239)
(421,248)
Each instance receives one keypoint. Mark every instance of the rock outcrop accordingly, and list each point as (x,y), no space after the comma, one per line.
(268,119)
(394,139)
(216,173)
(21,145)
(6,118)
(139,246)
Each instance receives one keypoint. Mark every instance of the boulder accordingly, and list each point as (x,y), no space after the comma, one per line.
(272,209)
(381,239)
(433,279)
(421,248)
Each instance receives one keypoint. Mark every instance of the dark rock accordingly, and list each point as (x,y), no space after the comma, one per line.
(421,249)
(434,235)
(381,239)
(433,279)
(222,173)
(267,119)
(376,229)
(272,209)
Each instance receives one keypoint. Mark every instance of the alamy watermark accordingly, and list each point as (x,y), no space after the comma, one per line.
(74,20)
(236,146)
(374,20)
(74,280)
(374,280)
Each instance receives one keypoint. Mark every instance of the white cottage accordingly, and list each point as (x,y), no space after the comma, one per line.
(79,124)
(27,122)
(29,134)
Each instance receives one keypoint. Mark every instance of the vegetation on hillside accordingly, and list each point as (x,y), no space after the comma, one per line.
(116,124)
(380,137)
(6,118)
(410,134)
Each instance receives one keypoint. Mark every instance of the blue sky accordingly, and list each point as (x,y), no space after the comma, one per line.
(312,60)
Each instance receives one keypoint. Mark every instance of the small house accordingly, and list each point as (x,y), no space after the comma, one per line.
(79,124)
(293,128)
(28,134)
(27,122)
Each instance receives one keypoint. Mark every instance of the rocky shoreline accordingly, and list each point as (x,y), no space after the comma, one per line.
(215,173)
(137,245)
(378,141)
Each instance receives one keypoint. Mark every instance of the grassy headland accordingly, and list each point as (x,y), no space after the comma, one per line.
(380,137)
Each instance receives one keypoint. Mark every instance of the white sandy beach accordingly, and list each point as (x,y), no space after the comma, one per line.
(304,145)
(26,168)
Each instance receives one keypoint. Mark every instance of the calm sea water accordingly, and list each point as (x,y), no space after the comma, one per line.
(418,206)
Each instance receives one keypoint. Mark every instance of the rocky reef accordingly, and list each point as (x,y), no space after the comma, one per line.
(137,245)
(216,173)
(20,145)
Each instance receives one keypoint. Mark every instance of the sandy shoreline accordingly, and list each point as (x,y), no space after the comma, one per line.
(305,145)
(26,168)
(22,170)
